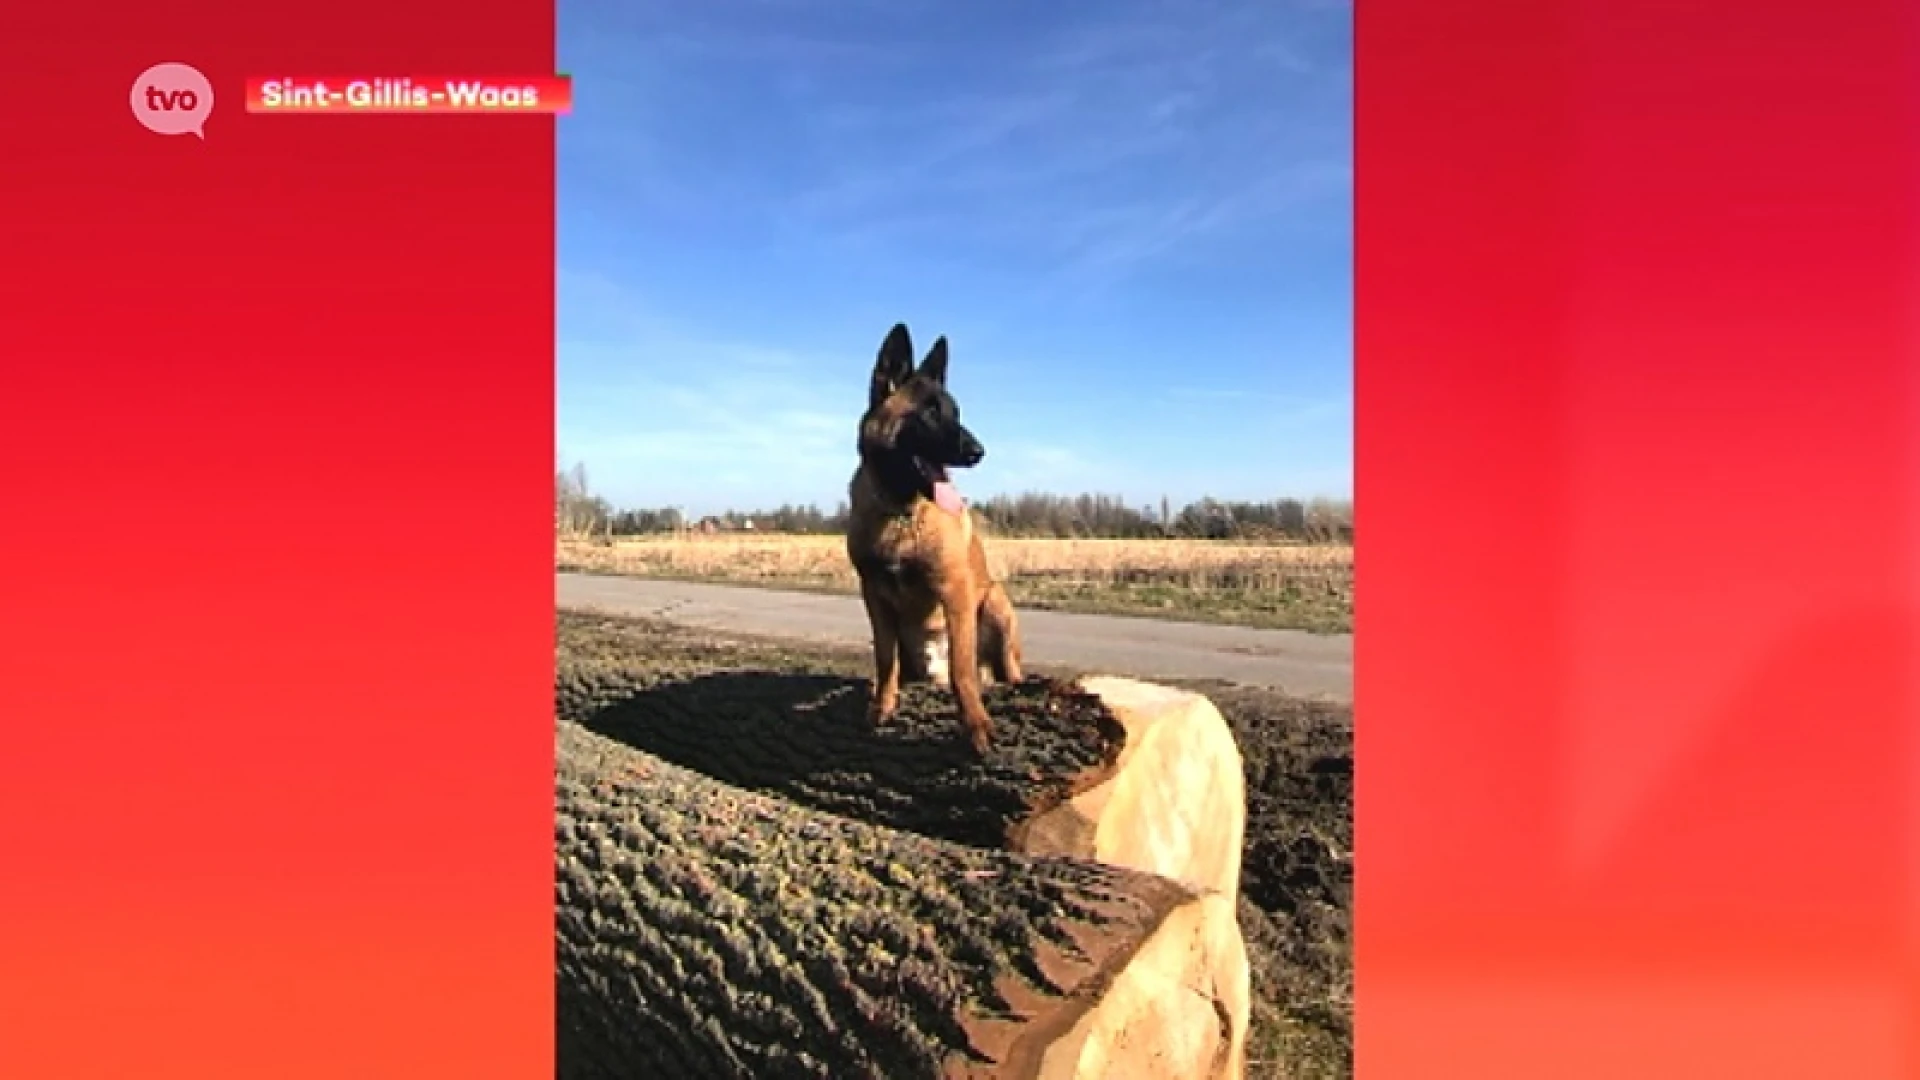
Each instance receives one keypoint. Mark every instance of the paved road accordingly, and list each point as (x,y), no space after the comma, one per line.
(1306,665)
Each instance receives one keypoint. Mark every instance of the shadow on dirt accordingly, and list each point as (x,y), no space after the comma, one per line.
(806,738)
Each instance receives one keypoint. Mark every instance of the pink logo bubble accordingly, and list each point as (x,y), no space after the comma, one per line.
(172,99)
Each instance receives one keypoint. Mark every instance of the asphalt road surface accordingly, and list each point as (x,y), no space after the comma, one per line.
(1298,663)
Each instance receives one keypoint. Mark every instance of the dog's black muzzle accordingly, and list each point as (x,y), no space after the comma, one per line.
(970,450)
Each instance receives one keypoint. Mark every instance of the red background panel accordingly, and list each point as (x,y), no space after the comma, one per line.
(1638,468)
(1638,369)
(275,582)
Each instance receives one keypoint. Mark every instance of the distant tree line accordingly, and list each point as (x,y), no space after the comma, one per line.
(580,512)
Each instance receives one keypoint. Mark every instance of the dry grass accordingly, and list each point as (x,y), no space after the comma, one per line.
(1303,586)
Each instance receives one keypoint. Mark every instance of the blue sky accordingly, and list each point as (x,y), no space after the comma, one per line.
(1131,218)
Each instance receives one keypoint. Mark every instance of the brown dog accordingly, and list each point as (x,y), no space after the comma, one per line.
(912,540)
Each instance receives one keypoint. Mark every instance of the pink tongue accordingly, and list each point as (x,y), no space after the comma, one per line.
(947,497)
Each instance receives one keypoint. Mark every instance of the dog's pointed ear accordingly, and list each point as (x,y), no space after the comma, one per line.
(895,365)
(934,367)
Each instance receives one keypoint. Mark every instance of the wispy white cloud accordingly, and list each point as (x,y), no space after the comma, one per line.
(1275,409)
(1109,137)
(619,321)
(1050,465)
(981,177)
(1103,244)
(680,417)
(705,441)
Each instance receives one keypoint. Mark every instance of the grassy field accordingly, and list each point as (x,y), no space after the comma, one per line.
(1297,876)
(1295,586)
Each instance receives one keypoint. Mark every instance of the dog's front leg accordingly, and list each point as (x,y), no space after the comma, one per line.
(963,663)
(885,696)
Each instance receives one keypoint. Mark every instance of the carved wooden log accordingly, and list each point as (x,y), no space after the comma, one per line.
(708,931)
(1175,804)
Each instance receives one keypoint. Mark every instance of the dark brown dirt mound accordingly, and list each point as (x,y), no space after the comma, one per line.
(707,931)
(1298,861)
(807,738)
(1296,879)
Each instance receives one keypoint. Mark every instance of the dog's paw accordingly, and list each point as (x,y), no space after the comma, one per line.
(879,715)
(981,739)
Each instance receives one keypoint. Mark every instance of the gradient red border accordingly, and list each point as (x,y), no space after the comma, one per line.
(1638,470)
(1638,455)
(275,583)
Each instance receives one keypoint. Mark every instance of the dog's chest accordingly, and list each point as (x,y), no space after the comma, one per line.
(901,552)
(902,578)
(909,551)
